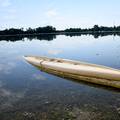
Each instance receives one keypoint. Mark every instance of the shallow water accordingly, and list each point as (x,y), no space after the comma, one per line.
(28,93)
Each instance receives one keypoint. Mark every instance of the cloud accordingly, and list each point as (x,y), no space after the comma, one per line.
(9,17)
(7,12)
(5,3)
(51,13)
(11,11)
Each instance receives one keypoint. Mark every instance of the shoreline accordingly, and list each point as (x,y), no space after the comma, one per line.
(63,33)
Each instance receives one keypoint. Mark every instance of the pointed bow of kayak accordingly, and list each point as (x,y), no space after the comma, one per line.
(77,70)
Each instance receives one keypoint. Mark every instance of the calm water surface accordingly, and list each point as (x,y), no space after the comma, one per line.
(28,93)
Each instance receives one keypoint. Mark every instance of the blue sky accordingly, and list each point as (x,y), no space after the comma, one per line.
(59,13)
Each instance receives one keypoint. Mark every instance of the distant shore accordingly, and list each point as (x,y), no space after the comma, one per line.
(62,33)
(52,30)
(50,33)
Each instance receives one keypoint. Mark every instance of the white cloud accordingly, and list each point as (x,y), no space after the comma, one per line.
(5,3)
(9,17)
(7,12)
(51,13)
(11,11)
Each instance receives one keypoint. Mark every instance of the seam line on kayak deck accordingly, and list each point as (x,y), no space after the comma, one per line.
(41,63)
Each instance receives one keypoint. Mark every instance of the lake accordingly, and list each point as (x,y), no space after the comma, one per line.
(28,93)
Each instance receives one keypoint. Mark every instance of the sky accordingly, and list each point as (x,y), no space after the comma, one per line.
(61,14)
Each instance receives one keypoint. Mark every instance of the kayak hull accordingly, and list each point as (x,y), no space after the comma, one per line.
(86,72)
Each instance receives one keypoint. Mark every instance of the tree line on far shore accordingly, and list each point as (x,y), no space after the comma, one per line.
(15,31)
(51,29)
(95,28)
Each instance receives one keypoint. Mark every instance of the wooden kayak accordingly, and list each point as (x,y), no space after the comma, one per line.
(77,70)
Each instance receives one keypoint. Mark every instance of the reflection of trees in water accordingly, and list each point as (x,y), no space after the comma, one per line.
(102,34)
(95,34)
(50,37)
(47,37)
(13,38)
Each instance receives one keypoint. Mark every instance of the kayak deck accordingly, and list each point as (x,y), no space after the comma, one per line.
(78,70)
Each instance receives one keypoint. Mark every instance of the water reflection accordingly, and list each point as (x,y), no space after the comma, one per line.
(47,37)
(26,91)
(7,68)
(61,75)
(54,52)
(95,35)
(38,77)
(9,97)
(50,37)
